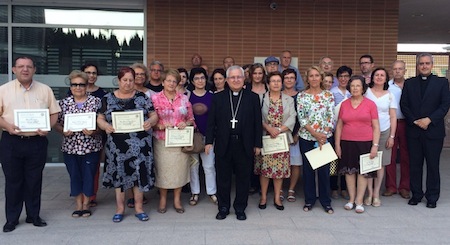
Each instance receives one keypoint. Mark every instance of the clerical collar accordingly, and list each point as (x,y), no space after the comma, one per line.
(235,93)
(425,77)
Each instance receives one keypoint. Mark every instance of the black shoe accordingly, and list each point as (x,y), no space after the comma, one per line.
(222,214)
(241,215)
(36,222)
(10,226)
(431,205)
(279,207)
(413,202)
(262,206)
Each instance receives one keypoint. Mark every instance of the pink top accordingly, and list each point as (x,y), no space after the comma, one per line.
(358,122)
(171,112)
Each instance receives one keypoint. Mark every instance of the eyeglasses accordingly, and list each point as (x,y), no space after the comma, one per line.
(81,85)
(140,74)
(327,63)
(20,67)
(93,73)
(155,70)
(272,64)
(199,78)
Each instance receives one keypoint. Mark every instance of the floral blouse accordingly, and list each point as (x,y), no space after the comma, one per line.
(171,112)
(79,143)
(317,111)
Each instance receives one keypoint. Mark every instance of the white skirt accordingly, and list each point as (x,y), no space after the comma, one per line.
(296,156)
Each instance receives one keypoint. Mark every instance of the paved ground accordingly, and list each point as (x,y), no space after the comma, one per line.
(394,222)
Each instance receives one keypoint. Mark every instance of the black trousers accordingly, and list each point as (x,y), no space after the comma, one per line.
(421,149)
(23,160)
(235,160)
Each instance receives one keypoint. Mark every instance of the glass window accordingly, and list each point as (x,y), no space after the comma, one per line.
(46,15)
(3,53)
(3,14)
(61,50)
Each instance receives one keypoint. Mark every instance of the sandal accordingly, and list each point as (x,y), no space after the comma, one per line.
(161,210)
(291,196)
(307,207)
(117,218)
(86,213)
(77,213)
(328,209)
(359,208)
(142,216)
(348,206)
(368,201)
(130,203)
(179,210)
(213,198)
(193,200)
(376,202)
(93,203)
(281,195)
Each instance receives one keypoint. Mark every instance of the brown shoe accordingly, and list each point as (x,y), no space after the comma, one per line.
(404,193)
(389,193)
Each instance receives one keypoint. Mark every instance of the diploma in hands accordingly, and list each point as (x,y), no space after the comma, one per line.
(128,121)
(274,145)
(317,158)
(367,165)
(176,137)
(76,122)
(30,120)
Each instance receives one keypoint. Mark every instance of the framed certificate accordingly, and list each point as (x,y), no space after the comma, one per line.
(128,121)
(179,137)
(317,157)
(274,145)
(76,122)
(30,120)
(367,165)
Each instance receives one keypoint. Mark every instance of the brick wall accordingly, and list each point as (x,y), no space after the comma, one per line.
(342,29)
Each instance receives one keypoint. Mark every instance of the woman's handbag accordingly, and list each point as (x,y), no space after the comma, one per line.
(197,147)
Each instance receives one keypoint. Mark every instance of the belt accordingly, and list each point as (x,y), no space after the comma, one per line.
(22,137)
(235,136)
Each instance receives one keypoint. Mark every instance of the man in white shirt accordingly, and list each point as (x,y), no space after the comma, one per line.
(400,143)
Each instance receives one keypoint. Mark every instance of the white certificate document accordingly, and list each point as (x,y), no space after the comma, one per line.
(179,137)
(317,158)
(274,145)
(30,120)
(367,165)
(76,122)
(128,121)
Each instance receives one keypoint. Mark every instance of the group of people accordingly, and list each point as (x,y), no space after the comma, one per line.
(233,109)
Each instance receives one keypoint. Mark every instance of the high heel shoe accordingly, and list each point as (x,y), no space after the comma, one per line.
(262,206)
(279,207)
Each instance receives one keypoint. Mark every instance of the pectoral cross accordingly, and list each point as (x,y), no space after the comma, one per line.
(233,123)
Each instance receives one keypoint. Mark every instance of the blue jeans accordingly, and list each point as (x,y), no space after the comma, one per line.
(309,177)
(82,170)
